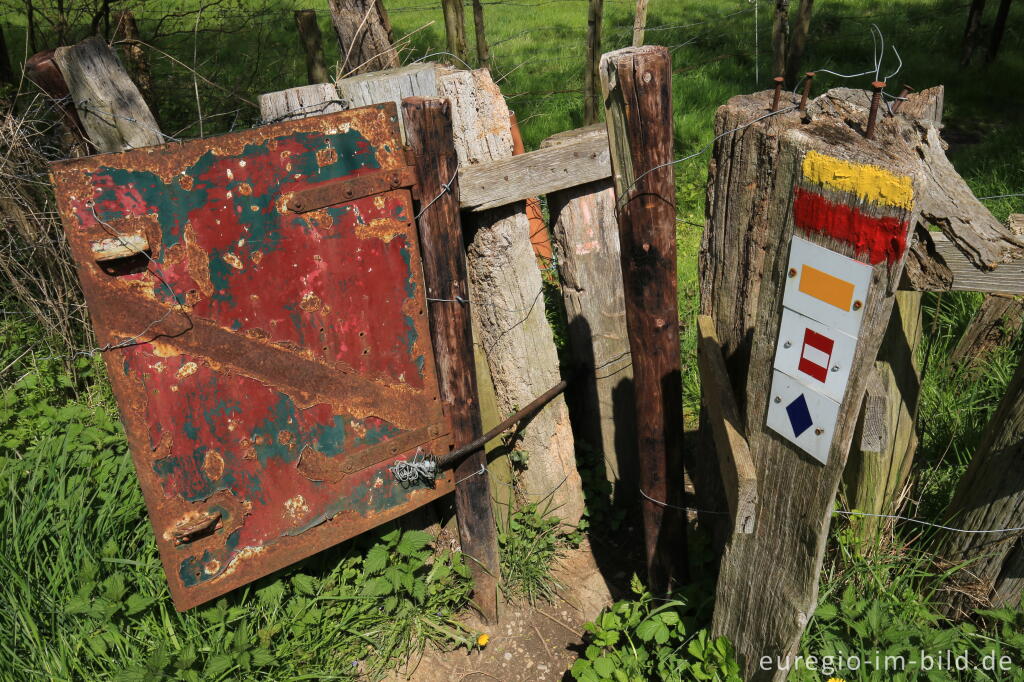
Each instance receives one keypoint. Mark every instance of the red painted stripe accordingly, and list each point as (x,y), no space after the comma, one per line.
(880,238)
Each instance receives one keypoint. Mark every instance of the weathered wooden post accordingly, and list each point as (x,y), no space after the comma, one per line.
(312,44)
(428,129)
(585,231)
(454,27)
(595,12)
(483,53)
(363,36)
(809,227)
(637,87)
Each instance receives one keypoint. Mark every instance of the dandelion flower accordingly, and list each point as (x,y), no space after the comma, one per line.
(836,679)
(484,638)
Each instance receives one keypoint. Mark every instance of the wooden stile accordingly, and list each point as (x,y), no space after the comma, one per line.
(429,130)
(637,87)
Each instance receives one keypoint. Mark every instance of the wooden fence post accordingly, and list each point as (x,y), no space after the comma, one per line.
(780,36)
(428,129)
(639,22)
(990,496)
(637,87)
(595,10)
(767,586)
(798,41)
(586,235)
(312,44)
(127,26)
(483,53)
(508,301)
(455,27)
(363,38)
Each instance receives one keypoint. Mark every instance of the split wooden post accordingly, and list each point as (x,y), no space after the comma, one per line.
(585,231)
(508,307)
(637,87)
(111,108)
(363,37)
(428,127)
(639,22)
(767,586)
(312,44)
(595,11)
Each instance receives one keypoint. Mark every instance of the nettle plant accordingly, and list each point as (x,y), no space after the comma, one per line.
(652,639)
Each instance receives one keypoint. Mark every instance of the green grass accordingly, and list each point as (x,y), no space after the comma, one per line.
(82,590)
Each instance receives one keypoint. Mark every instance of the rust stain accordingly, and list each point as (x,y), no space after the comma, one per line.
(286,361)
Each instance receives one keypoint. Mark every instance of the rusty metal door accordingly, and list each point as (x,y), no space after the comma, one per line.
(260,300)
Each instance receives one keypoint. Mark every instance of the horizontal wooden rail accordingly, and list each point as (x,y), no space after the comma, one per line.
(578,159)
(1007,278)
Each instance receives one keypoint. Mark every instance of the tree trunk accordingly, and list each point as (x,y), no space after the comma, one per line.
(998,318)
(998,29)
(780,37)
(508,302)
(362,36)
(990,496)
(595,10)
(877,471)
(312,44)
(798,42)
(971,31)
(483,54)
(455,27)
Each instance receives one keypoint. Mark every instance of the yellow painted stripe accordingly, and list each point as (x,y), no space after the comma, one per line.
(867,182)
(826,287)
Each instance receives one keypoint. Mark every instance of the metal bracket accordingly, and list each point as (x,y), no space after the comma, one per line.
(350,189)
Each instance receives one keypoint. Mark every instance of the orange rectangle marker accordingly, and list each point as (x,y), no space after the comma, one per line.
(826,288)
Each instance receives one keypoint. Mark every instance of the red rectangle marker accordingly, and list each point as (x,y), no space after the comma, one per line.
(816,355)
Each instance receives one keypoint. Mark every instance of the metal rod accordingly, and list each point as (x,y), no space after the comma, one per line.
(904,91)
(807,90)
(876,98)
(778,92)
(540,401)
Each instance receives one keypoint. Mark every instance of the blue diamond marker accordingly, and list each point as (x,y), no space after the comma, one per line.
(799,415)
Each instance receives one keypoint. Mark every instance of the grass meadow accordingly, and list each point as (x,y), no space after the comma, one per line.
(82,594)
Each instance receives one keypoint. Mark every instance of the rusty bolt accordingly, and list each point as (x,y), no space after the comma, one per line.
(792,272)
(396,179)
(349,192)
(857,305)
(904,91)
(876,99)
(807,90)
(818,432)
(778,92)
(297,204)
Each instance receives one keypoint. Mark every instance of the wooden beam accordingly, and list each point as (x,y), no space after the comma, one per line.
(111,108)
(637,87)
(504,181)
(308,100)
(734,461)
(429,127)
(1007,278)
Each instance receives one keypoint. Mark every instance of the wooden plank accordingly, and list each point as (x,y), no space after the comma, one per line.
(112,110)
(586,232)
(429,127)
(734,461)
(1007,278)
(504,181)
(637,87)
(508,302)
(293,103)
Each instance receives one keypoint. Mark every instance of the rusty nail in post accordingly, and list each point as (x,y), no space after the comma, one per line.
(807,90)
(778,92)
(876,98)
(904,91)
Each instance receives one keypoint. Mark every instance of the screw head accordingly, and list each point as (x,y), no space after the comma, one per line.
(792,272)
(778,399)
(787,344)
(835,368)
(818,432)
(857,305)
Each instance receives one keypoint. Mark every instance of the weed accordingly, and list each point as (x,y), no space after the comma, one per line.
(530,543)
(652,639)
